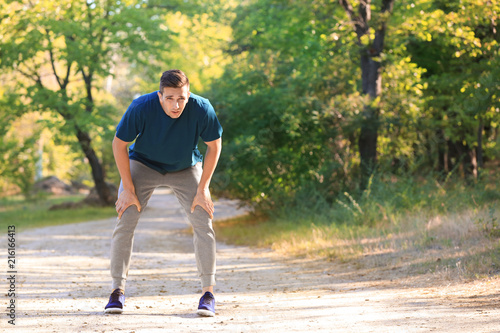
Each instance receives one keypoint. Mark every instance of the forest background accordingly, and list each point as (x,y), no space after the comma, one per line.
(335,113)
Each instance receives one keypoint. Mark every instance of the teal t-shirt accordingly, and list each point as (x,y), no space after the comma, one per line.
(165,144)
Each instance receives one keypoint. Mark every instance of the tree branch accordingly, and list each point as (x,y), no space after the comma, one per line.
(387,6)
(359,22)
(88,86)
(106,17)
(365,11)
(348,8)
(52,61)
(66,79)
(35,77)
(378,42)
(38,82)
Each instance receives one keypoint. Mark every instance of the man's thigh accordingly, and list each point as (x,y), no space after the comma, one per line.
(145,181)
(185,184)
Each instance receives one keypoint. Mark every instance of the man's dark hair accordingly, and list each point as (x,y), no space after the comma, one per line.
(173,78)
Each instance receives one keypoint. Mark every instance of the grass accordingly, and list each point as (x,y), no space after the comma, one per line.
(415,226)
(35,213)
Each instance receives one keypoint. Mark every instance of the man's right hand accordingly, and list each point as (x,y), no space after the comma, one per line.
(126,199)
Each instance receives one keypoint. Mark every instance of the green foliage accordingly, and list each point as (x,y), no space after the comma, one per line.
(256,142)
(55,54)
(74,43)
(291,108)
(272,100)
(458,44)
(59,59)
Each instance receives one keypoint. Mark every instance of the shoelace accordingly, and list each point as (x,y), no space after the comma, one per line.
(115,296)
(207,299)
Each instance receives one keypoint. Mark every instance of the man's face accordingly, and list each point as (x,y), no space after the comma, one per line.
(173,100)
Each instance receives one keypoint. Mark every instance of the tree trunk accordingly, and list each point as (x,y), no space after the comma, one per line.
(85,142)
(453,157)
(95,165)
(371,78)
(442,163)
(367,144)
(468,158)
(461,157)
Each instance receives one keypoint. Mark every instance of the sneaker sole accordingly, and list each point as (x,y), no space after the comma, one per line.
(205,313)
(113,310)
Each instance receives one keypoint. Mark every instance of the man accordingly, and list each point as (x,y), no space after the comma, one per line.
(166,125)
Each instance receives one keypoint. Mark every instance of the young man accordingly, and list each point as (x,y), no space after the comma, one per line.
(166,126)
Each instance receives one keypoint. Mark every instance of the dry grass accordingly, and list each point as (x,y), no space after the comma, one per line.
(461,245)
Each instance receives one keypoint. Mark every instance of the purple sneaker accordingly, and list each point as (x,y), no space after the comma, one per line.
(116,302)
(207,305)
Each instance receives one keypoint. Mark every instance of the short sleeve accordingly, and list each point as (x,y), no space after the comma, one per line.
(130,125)
(211,129)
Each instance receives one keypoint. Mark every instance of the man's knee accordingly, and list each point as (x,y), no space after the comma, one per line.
(129,220)
(200,220)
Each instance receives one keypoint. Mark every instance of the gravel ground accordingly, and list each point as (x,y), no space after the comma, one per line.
(63,284)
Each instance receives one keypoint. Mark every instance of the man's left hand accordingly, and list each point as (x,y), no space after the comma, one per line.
(203,200)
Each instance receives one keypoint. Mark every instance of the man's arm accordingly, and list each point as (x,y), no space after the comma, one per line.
(202,197)
(128,197)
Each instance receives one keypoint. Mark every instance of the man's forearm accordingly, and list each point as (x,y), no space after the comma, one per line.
(123,163)
(211,158)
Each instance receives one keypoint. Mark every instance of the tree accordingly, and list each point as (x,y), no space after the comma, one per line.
(457,42)
(59,50)
(370,37)
(291,107)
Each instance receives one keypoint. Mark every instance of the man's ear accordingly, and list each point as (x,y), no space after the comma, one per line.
(159,95)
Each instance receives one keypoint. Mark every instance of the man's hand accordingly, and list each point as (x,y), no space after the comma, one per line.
(203,199)
(125,200)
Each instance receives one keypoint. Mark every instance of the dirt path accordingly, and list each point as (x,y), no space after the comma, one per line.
(64,283)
